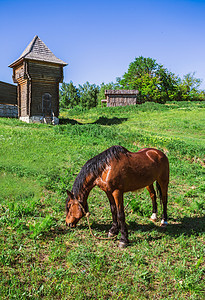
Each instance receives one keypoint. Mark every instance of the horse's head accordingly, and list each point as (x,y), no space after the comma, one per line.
(74,210)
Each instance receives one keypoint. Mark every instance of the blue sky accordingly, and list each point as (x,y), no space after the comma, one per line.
(99,39)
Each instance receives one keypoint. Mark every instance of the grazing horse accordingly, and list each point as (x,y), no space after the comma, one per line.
(117,171)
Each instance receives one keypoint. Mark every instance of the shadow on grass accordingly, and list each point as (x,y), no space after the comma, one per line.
(107,121)
(100,121)
(69,121)
(186,226)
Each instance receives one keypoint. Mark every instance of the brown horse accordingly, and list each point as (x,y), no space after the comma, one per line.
(117,171)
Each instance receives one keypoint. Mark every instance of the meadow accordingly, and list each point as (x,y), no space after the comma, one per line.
(40,258)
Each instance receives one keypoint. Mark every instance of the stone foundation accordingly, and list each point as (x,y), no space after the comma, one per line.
(40,119)
(11,111)
(8,111)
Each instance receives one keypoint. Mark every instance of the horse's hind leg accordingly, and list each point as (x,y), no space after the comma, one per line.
(164,199)
(152,193)
(114,230)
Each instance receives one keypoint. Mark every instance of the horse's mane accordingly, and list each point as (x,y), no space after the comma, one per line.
(96,165)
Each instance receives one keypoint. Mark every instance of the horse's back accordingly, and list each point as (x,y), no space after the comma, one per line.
(136,170)
(150,160)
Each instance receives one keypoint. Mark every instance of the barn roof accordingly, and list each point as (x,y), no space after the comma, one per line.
(37,50)
(121,92)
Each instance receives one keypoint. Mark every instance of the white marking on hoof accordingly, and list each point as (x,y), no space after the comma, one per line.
(154,217)
(110,234)
(163,223)
(122,245)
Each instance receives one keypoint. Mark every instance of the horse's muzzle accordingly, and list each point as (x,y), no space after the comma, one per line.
(71,225)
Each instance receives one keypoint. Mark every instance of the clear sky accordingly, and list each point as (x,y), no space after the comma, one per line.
(99,39)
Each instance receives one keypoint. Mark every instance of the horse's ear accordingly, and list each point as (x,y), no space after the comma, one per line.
(70,195)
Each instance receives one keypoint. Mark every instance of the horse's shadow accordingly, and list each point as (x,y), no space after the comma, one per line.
(186,226)
(101,121)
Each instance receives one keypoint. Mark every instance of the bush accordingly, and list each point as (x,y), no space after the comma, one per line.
(88,95)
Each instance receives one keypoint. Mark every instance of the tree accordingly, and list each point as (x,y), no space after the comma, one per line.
(136,70)
(152,80)
(156,83)
(88,95)
(69,95)
(189,87)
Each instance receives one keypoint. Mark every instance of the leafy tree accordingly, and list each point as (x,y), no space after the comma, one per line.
(88,95)
(156,83)
(69,95)
(153,81)
(169,85)
(189,88)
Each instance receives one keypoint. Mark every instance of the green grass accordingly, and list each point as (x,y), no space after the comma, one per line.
(41,258)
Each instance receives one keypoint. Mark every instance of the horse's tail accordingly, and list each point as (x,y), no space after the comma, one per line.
(159,192)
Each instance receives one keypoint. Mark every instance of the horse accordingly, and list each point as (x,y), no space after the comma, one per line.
(117,171)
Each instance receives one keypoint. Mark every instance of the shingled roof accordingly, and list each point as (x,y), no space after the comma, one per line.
(37,50)
(121,92)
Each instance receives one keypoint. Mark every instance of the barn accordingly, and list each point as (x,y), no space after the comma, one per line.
(120,97)
(38,73)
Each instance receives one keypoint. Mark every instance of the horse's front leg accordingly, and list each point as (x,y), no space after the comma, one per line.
(114,230)
(118,196)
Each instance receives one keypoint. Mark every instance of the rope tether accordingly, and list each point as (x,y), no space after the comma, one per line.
(87,215)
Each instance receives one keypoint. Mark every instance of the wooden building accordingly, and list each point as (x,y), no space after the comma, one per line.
(8,100)
(120,97)
(8,93)
(38,73)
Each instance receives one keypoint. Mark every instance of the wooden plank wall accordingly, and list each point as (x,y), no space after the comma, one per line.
(43,71)
(23,98)
(8,93)
(39,88)
(45,79)
(121,100)
(121,97)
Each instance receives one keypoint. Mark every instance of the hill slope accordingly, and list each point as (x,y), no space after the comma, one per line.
(40,257)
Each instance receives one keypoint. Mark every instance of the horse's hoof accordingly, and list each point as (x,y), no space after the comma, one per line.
(110,234)
(163,224)
(122,245)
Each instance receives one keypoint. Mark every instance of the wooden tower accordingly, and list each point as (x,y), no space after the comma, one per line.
(38,73)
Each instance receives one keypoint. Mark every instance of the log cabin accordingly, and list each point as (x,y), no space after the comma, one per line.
(38,73)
